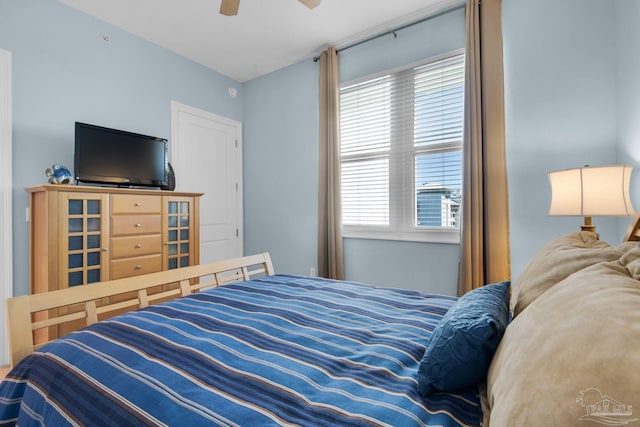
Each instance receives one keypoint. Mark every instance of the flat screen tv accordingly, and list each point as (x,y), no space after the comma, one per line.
(112,156)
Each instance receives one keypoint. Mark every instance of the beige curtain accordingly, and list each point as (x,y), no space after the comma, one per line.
(330,261)
(484,246)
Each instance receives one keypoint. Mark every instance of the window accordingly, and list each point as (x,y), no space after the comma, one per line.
(401,152)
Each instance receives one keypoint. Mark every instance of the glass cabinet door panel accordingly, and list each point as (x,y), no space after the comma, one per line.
(179,211)
(93,241)
(75,261)
(93,276)
(84,236)
(75,225)
(93,207)
(93,224)
(75,278)
(75,207)
(75,243)
(93,258)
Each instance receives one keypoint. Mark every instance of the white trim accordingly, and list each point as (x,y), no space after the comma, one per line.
(6,189)
(430,236)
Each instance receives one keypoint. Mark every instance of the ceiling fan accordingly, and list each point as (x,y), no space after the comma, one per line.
(230,7)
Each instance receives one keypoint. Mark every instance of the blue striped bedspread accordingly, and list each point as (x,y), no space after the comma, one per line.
(280,350)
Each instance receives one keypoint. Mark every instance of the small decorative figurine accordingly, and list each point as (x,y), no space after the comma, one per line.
(58,174)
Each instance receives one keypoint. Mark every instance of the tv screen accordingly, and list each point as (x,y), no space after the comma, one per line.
(112,156)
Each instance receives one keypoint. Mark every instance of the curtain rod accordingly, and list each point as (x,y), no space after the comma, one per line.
(394,31)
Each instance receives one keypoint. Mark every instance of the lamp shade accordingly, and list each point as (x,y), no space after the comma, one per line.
(591,191)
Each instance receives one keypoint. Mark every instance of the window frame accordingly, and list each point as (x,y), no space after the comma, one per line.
(402,220)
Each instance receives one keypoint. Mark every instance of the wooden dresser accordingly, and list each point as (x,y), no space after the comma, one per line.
(82,235)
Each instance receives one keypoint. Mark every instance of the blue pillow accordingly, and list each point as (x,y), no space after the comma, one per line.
(462,345)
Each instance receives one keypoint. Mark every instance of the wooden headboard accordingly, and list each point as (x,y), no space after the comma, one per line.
(633,232)
(31,318)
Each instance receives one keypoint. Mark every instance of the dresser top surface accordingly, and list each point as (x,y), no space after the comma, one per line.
(110,190)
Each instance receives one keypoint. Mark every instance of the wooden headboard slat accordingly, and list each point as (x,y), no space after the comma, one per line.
(123,305)
(40,324)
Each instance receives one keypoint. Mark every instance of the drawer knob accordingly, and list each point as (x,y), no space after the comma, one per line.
(138,246)
(138,203)
(138,225)
(138,267)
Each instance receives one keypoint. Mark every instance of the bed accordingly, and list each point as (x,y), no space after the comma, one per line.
(239,346)
(244,346)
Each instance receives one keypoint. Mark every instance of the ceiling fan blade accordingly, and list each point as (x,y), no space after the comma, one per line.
(229,7)
(310,3)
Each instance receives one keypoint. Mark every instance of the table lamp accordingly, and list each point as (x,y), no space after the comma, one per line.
(591,191)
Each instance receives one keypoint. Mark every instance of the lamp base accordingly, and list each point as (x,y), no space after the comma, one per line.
(588,225)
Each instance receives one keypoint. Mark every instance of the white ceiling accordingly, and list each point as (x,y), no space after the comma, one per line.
(265,36)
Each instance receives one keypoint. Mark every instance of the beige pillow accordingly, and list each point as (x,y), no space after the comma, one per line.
(631,258)
(555,262)
(578,344)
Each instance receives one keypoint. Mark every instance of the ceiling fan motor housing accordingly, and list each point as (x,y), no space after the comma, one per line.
(230,7)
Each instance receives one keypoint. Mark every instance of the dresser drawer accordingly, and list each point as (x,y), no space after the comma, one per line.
(125,225)
(132,246)
(135,204)
(135,266)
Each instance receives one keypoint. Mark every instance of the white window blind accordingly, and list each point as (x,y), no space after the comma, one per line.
(401,149)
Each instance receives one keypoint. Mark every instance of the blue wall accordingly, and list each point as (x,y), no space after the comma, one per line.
(64,72)
(560,99)
(281,166)
(628,91)
(563,110)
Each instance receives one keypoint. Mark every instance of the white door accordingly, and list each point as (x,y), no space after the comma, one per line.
(206,155)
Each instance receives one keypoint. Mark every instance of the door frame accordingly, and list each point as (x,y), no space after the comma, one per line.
(6,190)
(175,153)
